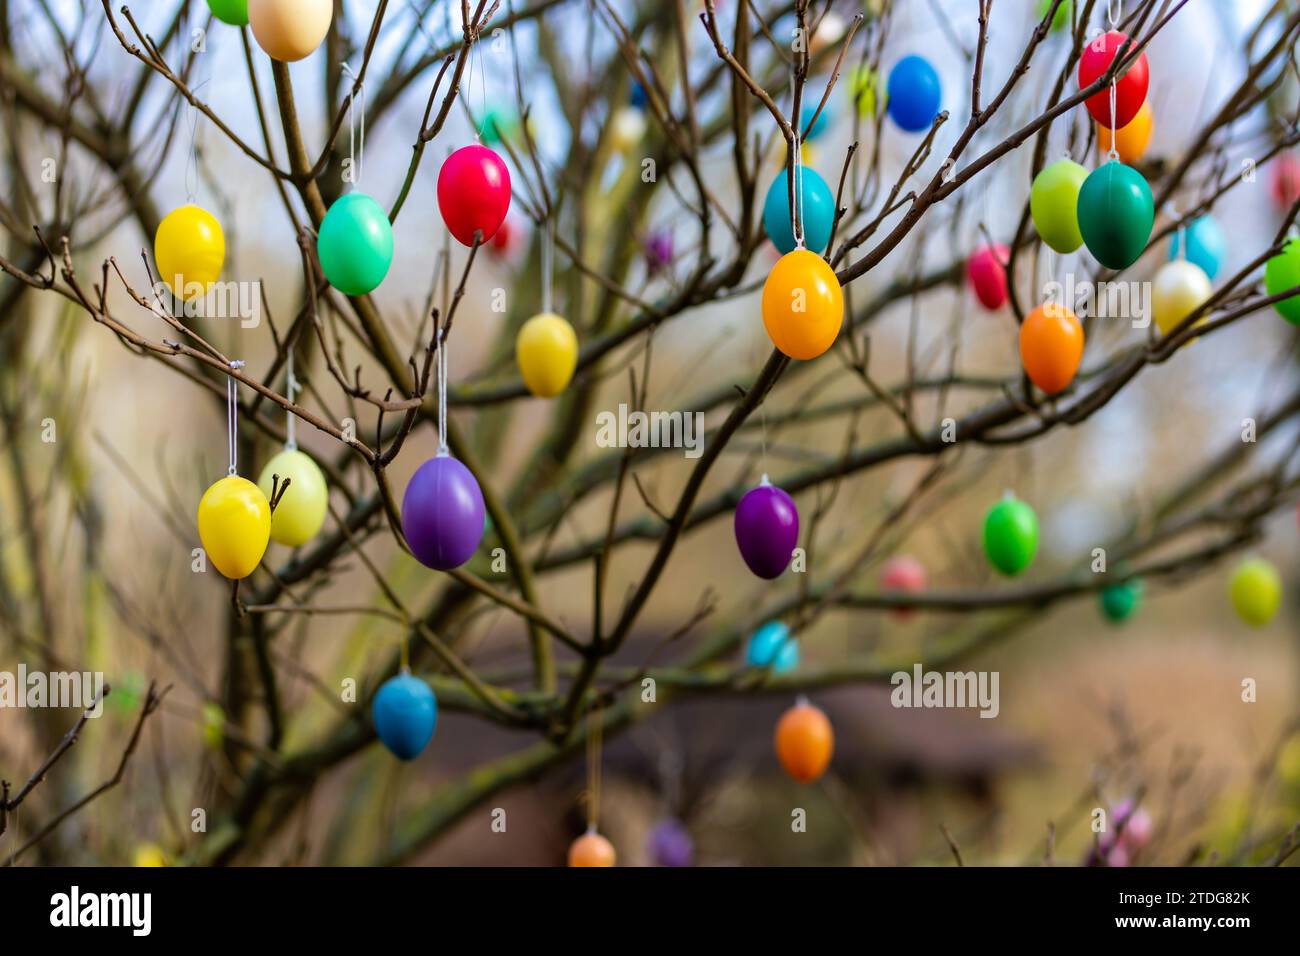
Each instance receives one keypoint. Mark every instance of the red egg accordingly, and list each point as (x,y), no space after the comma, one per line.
(903,574)
(503,240)
(1284,180)
(473,193)
(987,273)
(1130,86)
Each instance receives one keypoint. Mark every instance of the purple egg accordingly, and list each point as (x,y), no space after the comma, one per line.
(658,251)
(767,529)
(442,513)
(670,844)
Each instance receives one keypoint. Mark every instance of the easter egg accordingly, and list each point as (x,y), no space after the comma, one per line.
(503,241)
(290,30)
(1060,19)
(355,244)
(547,352)
(442,513)
(803,305)
(658,251)
(473,193)
(1010,535)
(670,844)
(234,525)
(987,273)
(1054,204)
(149,854)
(637,96)
(234,12)
(1130,86)
(772,646)
(1256,591)
(1281,273)
(767,529)
(189,249)
(804,742)
(128,691)
(497,125)
(213,723)
(864,86)
(301,510)
(913,94)
(830,28)
(818,212)
(903,575)
(1131,141)
(405,713)
(1121,601)
(591,849)
(1205,244)
(806,113)
(1132,824)
(1284,181)
(1051,346)
(1116,213)
(1179,289)
(627,127)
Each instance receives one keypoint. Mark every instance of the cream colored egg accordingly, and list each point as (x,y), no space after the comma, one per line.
(1179,289)
(290,30)
(627,128)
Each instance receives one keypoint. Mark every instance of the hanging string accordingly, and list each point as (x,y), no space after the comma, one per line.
(1114,10)
(356,119)
(232,414)
(192,163)
(796,224)
(442,391)
(548,263)
(291,390)
(594,728)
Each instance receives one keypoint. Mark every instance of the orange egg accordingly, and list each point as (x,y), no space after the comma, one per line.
(1051,345)
(803,305)
(804,742)
(591,849)
(1131,141)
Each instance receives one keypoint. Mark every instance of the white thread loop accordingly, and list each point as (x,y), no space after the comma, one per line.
(232,418)
(356,119)
(291,391)
(796,224)
(1114,11)
(1114,140)
(548,263)
(442,391)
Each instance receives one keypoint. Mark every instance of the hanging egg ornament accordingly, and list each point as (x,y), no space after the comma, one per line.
(591,849)
(1130,86)
(767,529)
(189,249)
(1121,601)
(473,193)
(233,12)
(301,510)
(903,575)
(1010,535)
(1205,244)
(913,94)
(818,212)
(864,87)
(1179,289)
(670,844)
(405,713)
(1060,19)
(1051,346)
(149,854)
(806,113)
(627,127)
(442,513)
(547,352)
(803,305)
(772,646)
(830,28)
(498,124)
(804,742)
(234,520)
(1116,213)
(658,251)
(1256,591)
(355,244)
(987,273)
(503,241)
(290,30)
(1054,204)
(1282,273)
(1131,141)
(1284,181)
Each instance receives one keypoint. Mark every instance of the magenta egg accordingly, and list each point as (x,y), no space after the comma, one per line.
(442,513)
(767,529)
(987,273)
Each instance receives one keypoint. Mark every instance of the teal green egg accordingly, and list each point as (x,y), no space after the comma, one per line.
(355,244)
(1116,213)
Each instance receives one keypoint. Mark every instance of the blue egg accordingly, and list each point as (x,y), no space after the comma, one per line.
(405,713)
(823,120)
(772,646)
(1205,244)
(914,94)
(638,95)
(818,212)
(787,658)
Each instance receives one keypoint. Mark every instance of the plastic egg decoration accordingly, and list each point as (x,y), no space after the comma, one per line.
(1179,289)
(864,90)
(772,646)
(803,305)
(986,271)
(818,212)
(1205,244)
(1121,601)
(1060,19)
(233,12)
(149,855)
(1131,141)
(830,28)
(1054,204)
(903,575)
(1256,591)
(1284,181)
(473,193)
(1130,86)
(301,511)
(405,714)
(805,742)
(806,113)
(767,529)
(546,350)
(497,125)
(669,844)
(290,30)
(627,127)
(234,521)
(1051,346)
(355,244)
(591,849)
(189,250)
(658,251)
(1282,272)
(913,94)
(1116,213)
(1010,536)
(442,513)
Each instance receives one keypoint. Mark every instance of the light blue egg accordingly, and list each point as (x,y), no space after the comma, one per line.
(787,658)
(1205,245)
(405,712)
(914,94)
(818,212)
(806,115)
(772,646)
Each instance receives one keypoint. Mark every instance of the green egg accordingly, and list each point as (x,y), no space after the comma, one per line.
(1054,204)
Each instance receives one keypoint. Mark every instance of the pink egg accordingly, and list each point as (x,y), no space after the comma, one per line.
(906,575)
(987,273)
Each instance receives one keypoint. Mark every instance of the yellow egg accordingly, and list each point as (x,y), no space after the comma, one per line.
(627,127)
(150,854)
(1256,591)
(547,353)
(290,30)
(234,525)
(189,249)
(1179,289)
(301,510)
